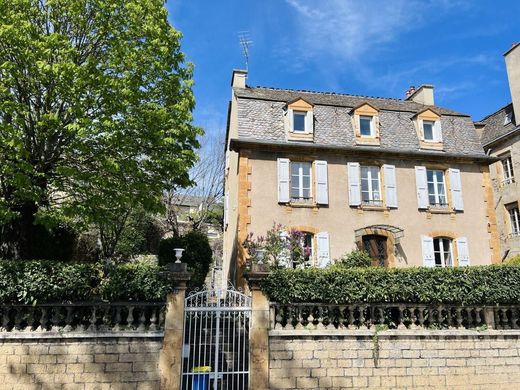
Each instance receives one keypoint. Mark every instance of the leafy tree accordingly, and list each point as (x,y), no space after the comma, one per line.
(95,114)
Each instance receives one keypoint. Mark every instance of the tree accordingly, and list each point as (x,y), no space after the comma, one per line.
(95,113)
(208,188)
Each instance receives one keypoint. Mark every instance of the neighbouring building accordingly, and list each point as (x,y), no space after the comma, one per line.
(500,136)
(404,179)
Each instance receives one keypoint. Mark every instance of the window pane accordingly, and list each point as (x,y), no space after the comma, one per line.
(295,168)
(306,193)
(306,167)
(295,192)
(428,130)
(429,175)
(306,182)
(299,121)
(365,125)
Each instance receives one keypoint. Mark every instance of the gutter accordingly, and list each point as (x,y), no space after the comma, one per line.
(250,144)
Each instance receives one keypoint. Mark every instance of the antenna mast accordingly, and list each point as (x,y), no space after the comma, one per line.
(245,43)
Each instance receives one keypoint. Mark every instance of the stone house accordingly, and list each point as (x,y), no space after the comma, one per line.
(402,178)
(500,136)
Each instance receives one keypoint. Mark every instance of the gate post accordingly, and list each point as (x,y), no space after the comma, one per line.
(170,361)
(259,334)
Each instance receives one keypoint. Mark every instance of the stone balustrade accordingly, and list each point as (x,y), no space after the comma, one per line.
(393,316)
(83,317)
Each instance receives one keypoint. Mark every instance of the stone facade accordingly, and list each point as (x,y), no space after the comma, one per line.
(395,359)
(80,363)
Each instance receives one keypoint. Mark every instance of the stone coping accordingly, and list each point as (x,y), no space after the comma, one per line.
(394,333)
(77,335)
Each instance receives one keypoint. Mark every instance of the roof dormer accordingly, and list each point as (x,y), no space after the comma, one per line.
(429,130)
(365,122)
(299,121)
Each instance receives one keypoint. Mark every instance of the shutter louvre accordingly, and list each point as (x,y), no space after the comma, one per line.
(323,249)
(322,190)
(421,129)
(309,122)
(390,185)
(456,189)
(226,210)
(283,180)
(427,251)
(354,184)
(463,251)
(438,130)
(422,187)
(291,119)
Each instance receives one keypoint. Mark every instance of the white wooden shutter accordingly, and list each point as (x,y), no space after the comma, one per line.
(309,122)
(463,251)
(323,251)
(226,210)
(422,187)
(322,187)
(291,119)
(456,189)
(283,180)
(427,251)
(421,128)
(437,131)
(390,185)
(354,184)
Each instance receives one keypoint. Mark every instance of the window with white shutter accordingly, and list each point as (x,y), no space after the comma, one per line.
(283,180)
(390,185)
(463,251)
(323,249)
(322,187)
(456,189)
(422,187)
(427,251)
(354,183)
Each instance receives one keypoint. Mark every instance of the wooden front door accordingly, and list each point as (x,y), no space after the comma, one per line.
(376,246)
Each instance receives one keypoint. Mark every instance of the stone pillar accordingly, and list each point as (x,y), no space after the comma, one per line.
(170,360)
(259,334)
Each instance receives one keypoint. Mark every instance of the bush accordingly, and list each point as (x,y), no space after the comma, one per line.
(513,260)
(484,285)
(197,254)
(354,259)
(141,235)
(40,281)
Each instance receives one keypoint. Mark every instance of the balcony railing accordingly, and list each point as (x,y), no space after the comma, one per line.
(394,316)
(83,317)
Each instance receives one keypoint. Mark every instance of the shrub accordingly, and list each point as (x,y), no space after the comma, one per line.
(197,254)
(354,259)
(469,285)
(38,281)
(138,281)
(513,260)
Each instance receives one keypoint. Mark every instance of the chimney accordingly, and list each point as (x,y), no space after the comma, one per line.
(422,95)
(513,74)
(238,80)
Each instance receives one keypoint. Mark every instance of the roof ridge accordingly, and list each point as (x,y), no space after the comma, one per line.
(495,112)
(326,93)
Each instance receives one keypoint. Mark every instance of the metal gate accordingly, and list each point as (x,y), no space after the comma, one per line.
(215,354)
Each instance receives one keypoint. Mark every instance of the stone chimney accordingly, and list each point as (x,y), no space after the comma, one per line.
(239,78)
(421,95)
(410,91)
(513,74)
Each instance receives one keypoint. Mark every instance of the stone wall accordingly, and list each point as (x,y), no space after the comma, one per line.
(29,362)
(418,359)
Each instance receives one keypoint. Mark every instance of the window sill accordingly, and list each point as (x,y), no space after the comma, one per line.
(302,205)
(360,140)
(433,145)
(374,208)
(300,136)
(440,210)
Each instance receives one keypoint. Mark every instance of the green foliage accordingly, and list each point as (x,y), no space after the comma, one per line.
(36,281)
(513,260)
(138,281)
(197,254)
(140,236)
(484,285)
(354,259)
(95,112)
(53,243)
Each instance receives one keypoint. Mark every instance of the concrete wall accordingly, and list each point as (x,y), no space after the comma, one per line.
(419,360)
(340,220)
(79,363)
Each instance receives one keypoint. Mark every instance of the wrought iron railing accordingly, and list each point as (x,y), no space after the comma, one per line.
(83,317)
(316,316)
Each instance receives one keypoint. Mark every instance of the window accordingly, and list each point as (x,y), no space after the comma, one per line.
(301,181)
(436,188)
(376,247)
(442,252)
(507,165)
(508,118)
(370,186)
(428,130)
(299,118)
(514,218)
(366,126)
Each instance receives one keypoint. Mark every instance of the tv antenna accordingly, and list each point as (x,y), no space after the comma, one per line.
(245,43)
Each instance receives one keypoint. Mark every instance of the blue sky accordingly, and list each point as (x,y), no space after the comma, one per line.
(373,48)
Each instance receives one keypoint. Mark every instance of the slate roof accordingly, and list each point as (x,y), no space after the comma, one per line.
(261,117)
(494,125)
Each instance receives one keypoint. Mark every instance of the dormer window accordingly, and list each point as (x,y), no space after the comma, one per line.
(299,119)
(429,131)
(508,118)
(366,126)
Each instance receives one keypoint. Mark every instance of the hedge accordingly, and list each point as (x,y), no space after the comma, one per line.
(482,285)
(43,281)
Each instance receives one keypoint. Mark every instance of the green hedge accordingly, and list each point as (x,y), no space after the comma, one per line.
(42,281)
(470,285)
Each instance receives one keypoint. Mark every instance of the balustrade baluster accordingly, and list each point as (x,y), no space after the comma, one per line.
(362,320)
(342,318)
(117,319)
(130,317)
(153,319)
(319,324)
(278,318)
(458,317)
(93,319)
(310,319)
(5,318)
(514,318)
(420,316)
(68,319)
(400,317)
(299,319)
(142,320)
(18,317)
(43,320)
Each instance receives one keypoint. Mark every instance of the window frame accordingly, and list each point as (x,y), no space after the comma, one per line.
(443,251)
(304,115)
(514,219)
(370,180)
(436,192)
(434,138)
(508,172)
(372,126)
(301,188)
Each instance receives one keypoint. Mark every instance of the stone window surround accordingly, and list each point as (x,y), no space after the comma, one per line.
(428,115)
(366,109)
